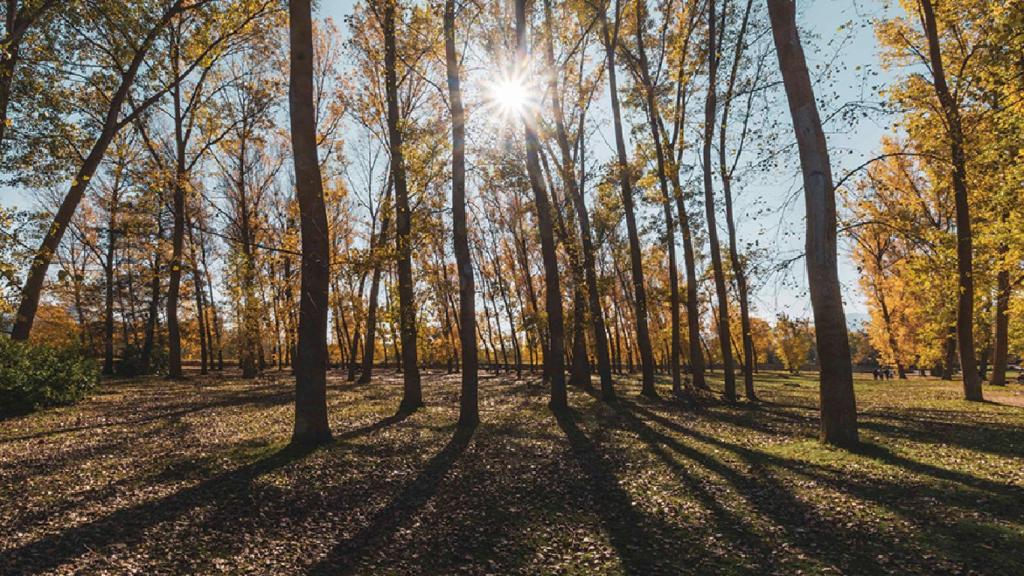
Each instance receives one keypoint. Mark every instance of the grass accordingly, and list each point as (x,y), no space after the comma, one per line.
(155,477)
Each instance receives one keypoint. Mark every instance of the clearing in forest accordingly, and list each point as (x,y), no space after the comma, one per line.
(158,477)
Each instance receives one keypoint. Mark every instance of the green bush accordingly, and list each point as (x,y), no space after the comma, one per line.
(37,375)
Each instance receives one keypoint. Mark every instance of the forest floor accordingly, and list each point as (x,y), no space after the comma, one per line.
(154,477)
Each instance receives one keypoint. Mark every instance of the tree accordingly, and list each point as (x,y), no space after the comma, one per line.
(726,172)
(724,333)
(838,406)
(794,340)
(412,396)
(554,354)
(964,239)
(311,425)
(469,413)
(610,38)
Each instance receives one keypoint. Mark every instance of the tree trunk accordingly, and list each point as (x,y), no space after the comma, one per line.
(178,231)
(643,335)
(999,359)
(726,171)
(964,239)
(412,394)
(311,425)
(724,337)
(838,406)
(371,309)
(554,355)
(586,239)
(670,229)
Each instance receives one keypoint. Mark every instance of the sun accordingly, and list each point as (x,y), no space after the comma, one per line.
(510,95)
(509,98)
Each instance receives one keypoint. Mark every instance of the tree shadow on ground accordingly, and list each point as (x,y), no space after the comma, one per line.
(345,556)
(128,525)
(645,544)
(853,544)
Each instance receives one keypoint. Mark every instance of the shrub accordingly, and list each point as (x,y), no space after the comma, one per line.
(38,375)
(131,363)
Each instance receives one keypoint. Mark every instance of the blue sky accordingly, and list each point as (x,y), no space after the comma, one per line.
(850,145)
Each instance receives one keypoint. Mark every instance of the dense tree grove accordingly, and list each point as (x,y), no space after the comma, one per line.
(546,187)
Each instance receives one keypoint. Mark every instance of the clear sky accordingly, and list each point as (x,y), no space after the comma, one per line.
(853,54)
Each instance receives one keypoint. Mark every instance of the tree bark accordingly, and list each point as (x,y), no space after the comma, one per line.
(468,410)
(726,172)
(964,238)
(311,425)
(666,201)
(724,337)
(554,354)
(412,394)
(838,406)
(643,335)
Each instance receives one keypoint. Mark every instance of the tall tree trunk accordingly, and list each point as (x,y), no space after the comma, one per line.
(311,425)
(689,256)
(643,335)
(670,228)
(469,413)
(412,394)
(964,239)
(838,406)
(586,238)
(178,231)
(724,337)
(554,355)
(726,172)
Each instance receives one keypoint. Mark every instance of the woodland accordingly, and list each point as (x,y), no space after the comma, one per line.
(493,287)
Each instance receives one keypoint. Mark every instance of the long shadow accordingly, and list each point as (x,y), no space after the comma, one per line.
(862,545)
(822,537)
(127,524)
(345,556)
(371,428)
(643,543)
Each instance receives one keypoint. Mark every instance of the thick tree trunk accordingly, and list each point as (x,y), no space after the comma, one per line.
(838,406)
(311,425)
(554,354)
(724,336)
(643,335)
(964,239)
